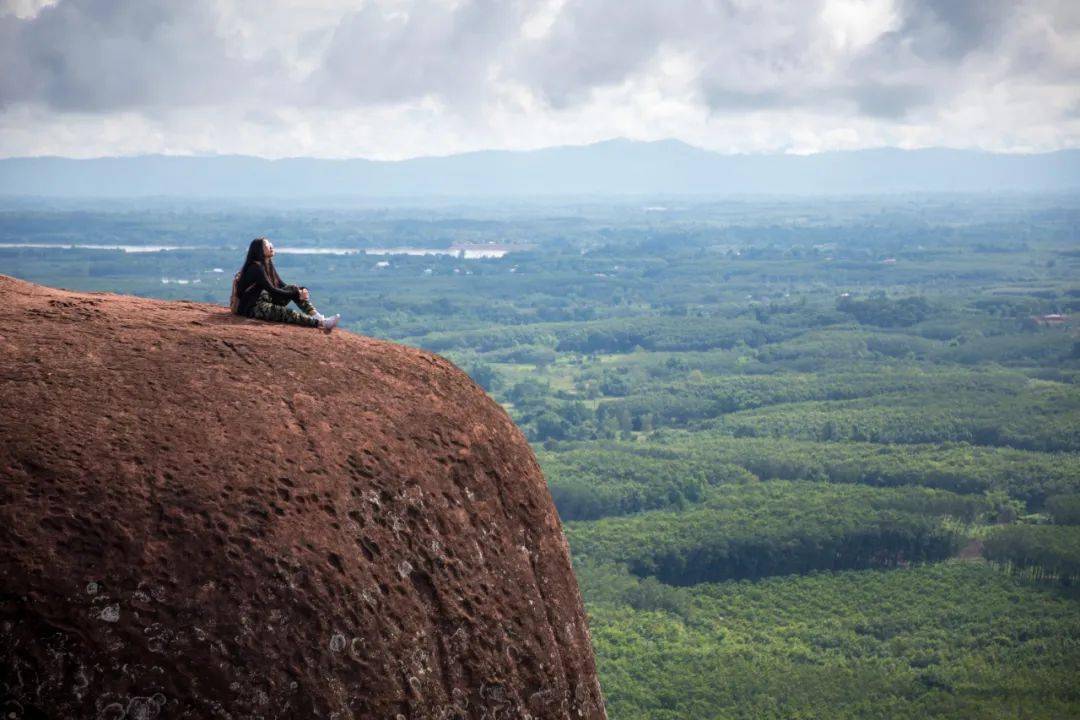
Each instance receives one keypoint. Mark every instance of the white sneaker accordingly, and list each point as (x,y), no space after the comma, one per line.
(329,323)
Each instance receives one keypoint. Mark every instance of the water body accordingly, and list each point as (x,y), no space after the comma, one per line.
(80,246)
(470,253)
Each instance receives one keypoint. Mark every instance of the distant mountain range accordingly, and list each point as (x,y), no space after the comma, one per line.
(614,167)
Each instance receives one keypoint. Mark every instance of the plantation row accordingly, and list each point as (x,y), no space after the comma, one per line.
(616,335)
(678,403)
(886,405)
(1043,551)
(1045,418)
(590,489)
(941,641)
(779,528)
(1064,509)
(596,480)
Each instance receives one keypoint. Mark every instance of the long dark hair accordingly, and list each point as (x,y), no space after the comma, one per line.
(257,253)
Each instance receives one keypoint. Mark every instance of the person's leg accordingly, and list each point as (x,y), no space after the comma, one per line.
(266,309)
(307,307)
(304,305)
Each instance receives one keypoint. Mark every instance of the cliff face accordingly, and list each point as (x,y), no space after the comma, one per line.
(207,516)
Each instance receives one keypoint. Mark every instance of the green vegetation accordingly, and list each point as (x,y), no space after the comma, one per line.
(815,459)
(947,640)
(1042,417)
(780,528)
(590,480)
(1064,509)
(884,312)
(677,403)
(1041,551)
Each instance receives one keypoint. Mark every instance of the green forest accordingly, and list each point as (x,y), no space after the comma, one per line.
(815,458)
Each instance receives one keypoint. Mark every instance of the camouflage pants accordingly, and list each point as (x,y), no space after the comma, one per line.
(266,308)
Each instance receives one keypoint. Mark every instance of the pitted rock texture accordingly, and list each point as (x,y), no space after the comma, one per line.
(204,516)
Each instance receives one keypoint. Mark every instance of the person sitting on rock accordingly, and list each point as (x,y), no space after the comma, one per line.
(258,292)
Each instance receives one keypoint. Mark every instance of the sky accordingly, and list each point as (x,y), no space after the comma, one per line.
(391,79)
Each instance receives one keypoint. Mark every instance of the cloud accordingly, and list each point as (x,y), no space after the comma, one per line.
(382,54)
(592,44)
(890,100)
(100,55)
(873,58)
(950,30)
(23,8)
(403,77)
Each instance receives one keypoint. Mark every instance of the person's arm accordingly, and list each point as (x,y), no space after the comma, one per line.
(263,283)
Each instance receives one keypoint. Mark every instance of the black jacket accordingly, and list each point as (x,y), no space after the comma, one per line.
(253,281)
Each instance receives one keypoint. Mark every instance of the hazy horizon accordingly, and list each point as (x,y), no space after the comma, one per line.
(671,141)
(612,168)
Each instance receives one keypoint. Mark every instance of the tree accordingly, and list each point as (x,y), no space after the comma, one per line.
(485,376)
(550,426)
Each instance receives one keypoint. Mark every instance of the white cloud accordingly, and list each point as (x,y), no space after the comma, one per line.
(399,78)
(24,8)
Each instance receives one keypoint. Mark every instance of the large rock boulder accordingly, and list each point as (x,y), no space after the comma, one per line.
(206,516)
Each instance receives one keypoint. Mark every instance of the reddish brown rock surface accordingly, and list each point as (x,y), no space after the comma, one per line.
(207,516)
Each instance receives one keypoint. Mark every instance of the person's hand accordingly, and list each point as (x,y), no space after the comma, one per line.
(303,294)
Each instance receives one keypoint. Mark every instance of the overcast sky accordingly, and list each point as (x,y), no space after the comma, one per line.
(393,79)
